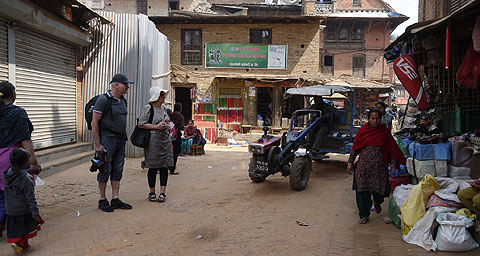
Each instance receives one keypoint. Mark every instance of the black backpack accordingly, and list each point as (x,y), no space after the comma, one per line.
(91,105)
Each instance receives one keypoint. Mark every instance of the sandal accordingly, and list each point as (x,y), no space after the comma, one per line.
(161,198)
(174,173)
(152,197)
(363,221)
(378,208)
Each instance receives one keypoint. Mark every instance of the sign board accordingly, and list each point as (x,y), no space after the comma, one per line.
(246,56)
(406,70)
(400,101)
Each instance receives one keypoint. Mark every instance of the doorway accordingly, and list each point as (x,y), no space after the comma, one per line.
(265,104)
(182,95)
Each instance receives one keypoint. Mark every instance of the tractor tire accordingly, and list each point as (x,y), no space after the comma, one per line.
(300,172)
(251,169)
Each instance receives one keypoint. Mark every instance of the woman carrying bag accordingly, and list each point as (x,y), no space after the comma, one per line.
(158,153)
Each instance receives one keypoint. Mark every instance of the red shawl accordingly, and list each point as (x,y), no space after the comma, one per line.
(379,136)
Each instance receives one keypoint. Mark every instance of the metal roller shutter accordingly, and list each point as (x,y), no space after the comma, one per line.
(3,50)
(46,86)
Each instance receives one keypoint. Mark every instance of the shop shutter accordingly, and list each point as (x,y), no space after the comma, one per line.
(3,50)
(46,86)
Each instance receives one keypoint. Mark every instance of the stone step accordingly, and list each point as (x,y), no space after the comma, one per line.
(50,154)
(66,162)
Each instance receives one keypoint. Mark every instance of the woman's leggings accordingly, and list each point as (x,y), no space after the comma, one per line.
(152,176)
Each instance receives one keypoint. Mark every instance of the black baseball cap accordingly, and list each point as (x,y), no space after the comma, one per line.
(120,78)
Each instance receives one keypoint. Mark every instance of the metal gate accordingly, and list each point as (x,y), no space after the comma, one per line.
(3,50)
(46,86)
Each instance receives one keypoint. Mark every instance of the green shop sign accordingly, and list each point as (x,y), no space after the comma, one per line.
(246,56)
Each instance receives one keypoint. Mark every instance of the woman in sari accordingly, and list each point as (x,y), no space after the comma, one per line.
(15,132)
(376,148)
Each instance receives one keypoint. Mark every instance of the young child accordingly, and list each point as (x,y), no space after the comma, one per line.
(23,219)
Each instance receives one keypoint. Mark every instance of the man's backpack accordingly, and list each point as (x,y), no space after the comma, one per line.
(91,105)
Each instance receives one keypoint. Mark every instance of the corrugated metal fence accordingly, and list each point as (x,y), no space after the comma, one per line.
(132,45)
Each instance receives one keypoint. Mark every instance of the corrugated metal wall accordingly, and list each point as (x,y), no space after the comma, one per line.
(45,82)
(132,46)
(3,50)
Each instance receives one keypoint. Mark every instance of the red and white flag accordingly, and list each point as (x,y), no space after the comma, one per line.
(406,70)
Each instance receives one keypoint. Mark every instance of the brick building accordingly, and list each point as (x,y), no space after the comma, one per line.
(435,9)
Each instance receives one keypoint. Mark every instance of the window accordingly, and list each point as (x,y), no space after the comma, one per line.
(260,36)
(357,34)
(173,5)
(142,7)
(357,3)
(343,34)
(327,64)
(97,4)
(348,32)
(358,65)
(331,34)
(191,47)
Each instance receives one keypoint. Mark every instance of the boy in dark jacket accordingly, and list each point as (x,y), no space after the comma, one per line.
(23,219)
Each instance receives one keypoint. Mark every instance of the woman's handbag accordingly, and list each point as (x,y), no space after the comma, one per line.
(141,137)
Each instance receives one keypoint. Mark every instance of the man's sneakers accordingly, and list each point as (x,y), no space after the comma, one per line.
(104,206)
(114,204)
(118,204)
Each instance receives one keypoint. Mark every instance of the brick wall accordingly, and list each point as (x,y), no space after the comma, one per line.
(155,7)
(366,4)
(295,35)
(376,39)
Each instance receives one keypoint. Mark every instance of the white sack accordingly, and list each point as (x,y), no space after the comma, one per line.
(421,233)
(453,235)
(401,193)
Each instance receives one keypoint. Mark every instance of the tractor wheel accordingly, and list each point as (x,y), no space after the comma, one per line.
(251,170)
(300,172)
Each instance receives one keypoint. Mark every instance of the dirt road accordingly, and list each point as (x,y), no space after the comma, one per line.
(212,208)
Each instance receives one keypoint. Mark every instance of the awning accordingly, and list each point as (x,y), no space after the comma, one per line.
(318,90)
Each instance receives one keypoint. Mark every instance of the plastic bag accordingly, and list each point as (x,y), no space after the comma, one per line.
(467,213)
(453,235)
(469,71)
(436,201)
(421,233)
(414,207)
(401,193)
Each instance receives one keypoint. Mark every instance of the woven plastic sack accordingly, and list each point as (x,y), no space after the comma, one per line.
(414,207)
(453,235)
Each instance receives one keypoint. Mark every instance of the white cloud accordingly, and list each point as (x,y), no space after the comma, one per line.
(408,8)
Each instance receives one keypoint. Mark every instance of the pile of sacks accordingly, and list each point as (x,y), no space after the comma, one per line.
(432,208)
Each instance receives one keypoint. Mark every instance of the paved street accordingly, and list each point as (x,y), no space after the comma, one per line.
(212,211)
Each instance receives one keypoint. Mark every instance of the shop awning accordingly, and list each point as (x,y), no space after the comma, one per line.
(319,90)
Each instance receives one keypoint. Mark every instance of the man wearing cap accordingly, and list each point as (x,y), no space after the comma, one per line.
(109,136)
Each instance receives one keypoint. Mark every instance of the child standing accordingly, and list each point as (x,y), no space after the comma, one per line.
(23,219)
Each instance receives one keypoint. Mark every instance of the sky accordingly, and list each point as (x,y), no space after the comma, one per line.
(408,8)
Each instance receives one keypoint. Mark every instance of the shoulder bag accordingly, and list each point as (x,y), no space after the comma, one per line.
(141,137)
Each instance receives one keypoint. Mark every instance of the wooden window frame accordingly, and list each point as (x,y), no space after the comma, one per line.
(324,71)
(356,69)
(139,11)
(174,1)
(200,51)
(253,30)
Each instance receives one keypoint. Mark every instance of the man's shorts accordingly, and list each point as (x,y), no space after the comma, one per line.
(115,146)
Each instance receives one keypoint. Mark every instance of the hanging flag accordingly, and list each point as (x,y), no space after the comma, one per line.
(406,70)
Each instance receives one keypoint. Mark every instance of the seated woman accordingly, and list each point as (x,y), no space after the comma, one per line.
(470,197)
(198,139)
(188,138)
